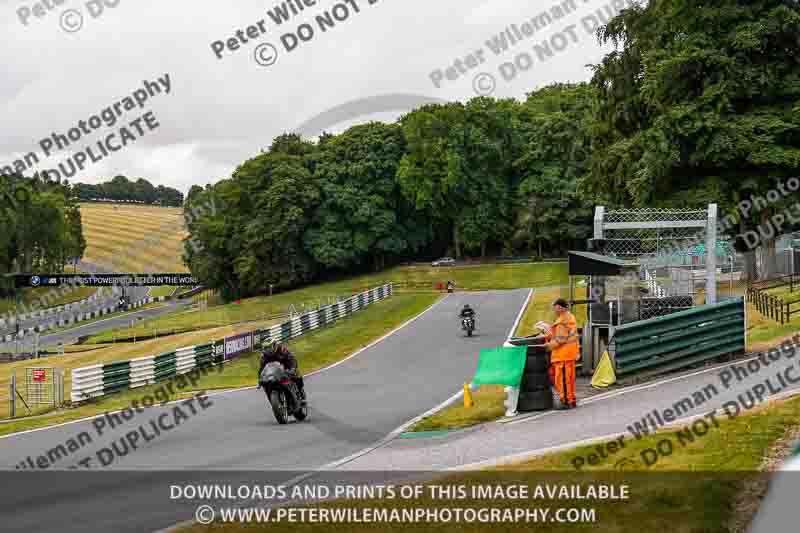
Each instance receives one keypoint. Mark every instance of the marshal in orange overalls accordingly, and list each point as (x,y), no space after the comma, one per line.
(563,343)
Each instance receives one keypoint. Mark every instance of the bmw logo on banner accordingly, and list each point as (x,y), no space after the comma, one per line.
(35,281)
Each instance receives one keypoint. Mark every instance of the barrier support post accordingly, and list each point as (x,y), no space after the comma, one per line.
(512,399)
(13,395)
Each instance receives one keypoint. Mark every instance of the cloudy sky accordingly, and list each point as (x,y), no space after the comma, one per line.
(68,64)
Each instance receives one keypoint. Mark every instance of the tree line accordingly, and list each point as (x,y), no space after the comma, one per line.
(121,188)
(458,179)
(698,102)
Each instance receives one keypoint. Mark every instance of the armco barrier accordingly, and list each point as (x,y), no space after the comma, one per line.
(680,339)
(76,318)
(98,380)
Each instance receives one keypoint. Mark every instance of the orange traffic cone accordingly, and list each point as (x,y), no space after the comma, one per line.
(468,397)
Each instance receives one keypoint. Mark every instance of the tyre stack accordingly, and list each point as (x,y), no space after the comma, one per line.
(535,393)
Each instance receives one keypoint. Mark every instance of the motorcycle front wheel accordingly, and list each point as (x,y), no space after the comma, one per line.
(277,398)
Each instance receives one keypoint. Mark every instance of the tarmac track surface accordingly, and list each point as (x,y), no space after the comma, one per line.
(352,406)
(71,334)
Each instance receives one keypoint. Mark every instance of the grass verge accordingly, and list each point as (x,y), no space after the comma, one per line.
(316,350)
(474,278)
(165,290)
(697,488)
(488,406)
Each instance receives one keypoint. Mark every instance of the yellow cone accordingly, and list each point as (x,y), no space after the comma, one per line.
(604,373)
(467,397)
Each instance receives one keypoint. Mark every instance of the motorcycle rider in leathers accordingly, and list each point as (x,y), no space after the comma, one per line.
(467,311)
(279,353)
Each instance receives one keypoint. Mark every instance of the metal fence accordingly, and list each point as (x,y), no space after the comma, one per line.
(670,247)
(38,389)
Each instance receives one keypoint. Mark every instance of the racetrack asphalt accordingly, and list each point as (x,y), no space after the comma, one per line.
(353,405)
(108,299)
(70,335)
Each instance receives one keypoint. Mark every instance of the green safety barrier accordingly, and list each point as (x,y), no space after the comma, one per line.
(680,339)
(204,355)
(501,366)
(164,366)
(116,376)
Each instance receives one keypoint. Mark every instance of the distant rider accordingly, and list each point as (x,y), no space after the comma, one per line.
(467,311)
(277,352)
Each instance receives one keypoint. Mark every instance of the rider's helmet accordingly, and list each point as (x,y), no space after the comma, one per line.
(274,346)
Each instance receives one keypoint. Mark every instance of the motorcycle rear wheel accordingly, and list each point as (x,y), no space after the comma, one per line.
(278,400)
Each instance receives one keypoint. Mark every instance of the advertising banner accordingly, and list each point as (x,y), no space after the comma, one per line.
(238,344)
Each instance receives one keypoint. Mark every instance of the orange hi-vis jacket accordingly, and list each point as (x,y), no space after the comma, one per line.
(563,339)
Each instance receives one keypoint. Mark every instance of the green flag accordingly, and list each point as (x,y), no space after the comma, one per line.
(501,366)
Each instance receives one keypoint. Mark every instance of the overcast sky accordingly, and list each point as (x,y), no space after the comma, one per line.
(220,112)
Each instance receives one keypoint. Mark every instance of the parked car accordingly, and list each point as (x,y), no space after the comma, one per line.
(444,261)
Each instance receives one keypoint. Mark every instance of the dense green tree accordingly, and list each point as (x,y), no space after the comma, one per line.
(194,191)
(256,240)
(700,100)
(697,103)
(552,215)
(458,168)
(213,242)
(360,217)
(40,227)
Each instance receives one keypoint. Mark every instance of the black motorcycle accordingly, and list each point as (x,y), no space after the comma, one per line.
(283,393)
(468,325)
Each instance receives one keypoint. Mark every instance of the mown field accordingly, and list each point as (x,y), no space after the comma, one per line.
(133,238)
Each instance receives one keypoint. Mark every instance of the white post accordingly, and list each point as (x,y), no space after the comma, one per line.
(512,399)
(711,255)
(599,212)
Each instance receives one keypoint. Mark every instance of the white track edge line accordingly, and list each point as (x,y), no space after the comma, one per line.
(519,315)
